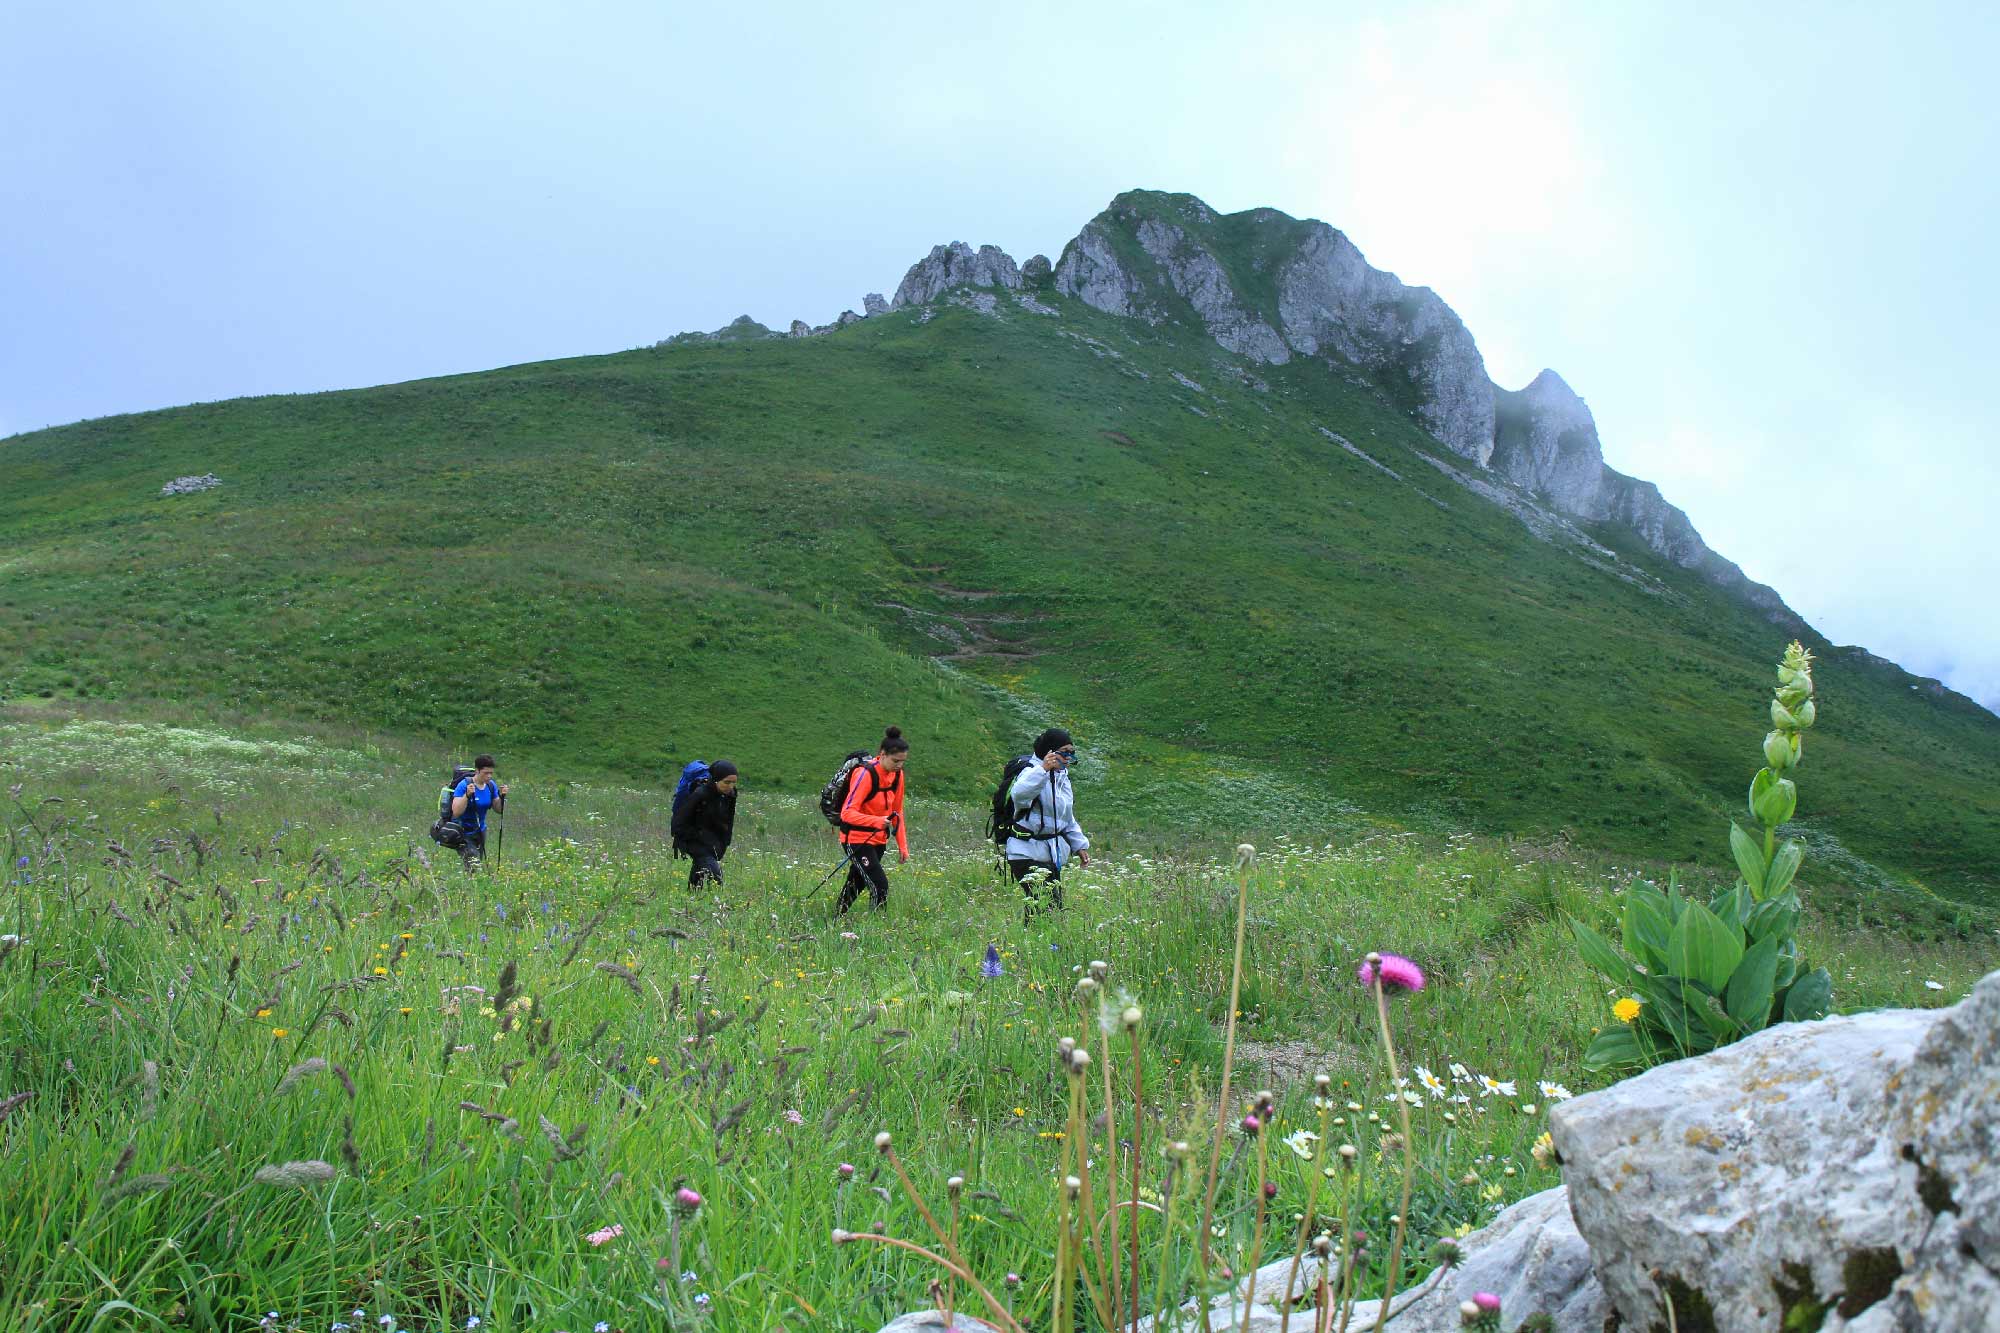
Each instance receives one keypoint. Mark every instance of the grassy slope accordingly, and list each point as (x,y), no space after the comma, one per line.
(615,562)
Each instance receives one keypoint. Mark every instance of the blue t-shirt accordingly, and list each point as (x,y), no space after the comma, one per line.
(475,808)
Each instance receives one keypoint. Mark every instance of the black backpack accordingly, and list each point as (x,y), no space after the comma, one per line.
(447,831)
(1000,821)
(833,796)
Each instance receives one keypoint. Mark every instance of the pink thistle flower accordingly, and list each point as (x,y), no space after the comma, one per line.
(847,1170)
(1487,1302)
(1251,1124)
(687,1200)
(606,1235)
(794,1118)
(1396,971)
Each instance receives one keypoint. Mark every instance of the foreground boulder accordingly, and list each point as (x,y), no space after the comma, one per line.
(1837,1175)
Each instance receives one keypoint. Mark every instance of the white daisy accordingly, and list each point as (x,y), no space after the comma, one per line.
(1432,1083)
(1554,1092)
(1301,1143)
(1493,1087)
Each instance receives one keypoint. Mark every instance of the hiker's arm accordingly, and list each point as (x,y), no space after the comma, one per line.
(902,841)
(461,797)
(1034,780)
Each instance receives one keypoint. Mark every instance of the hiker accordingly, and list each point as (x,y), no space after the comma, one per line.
(705,822)
(470,800)
(1045,831)
(874,806)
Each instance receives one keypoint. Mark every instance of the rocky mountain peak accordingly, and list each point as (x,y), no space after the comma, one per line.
(1272,288)
(955,265)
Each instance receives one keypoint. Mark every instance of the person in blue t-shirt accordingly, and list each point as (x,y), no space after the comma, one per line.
(470,800)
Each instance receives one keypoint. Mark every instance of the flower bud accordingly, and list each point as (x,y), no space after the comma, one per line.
(954,1184)
(1065,1045)
(882,1141)
(1079,1060)
(1487,1302)
(1265,1101)
(1270,1189)
(1348,1154)
(846,1170)
(1013,1280)
(1251,1124)
(1072,1186)
(1099,968)
(1778,751)
(1805,713)
(1468,1312)
(1130,1018)
(839,1238)
(1781,717)
(1245,854)
(1322,1245)
(687,1200)
(1321,1082)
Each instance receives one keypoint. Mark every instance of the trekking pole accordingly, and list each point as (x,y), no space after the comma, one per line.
(814,891)
(500,841)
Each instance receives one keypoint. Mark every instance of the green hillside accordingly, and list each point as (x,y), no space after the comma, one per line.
(965,524)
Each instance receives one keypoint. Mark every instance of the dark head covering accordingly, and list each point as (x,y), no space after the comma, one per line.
(1052,739)
(721,769)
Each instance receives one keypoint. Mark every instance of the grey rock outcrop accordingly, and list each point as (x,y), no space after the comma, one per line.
(1038,271)
(800,329)
(207,481)
(1199,278)
(930,1321)
(1530,1256)
(956,265)
(846,317)
(873,304)
(1840,1174)
(1330,299)
(1091,271)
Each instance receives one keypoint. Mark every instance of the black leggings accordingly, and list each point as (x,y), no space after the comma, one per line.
(864,869)
(707,868)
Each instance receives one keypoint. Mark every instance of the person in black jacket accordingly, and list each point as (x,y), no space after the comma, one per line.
(707,823)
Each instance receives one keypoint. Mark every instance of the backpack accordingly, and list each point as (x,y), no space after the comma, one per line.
(1000,821)
(833,796)
(693,777)
(447,831)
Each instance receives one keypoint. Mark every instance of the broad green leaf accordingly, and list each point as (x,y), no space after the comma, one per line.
(1749,858)
(1704,949)
(1734,907)
(1748,998)
(1775,917)
(1784,865)
(1615,1048)
(1787,973)
(1665,1012)
(1676,901)
(1810,997)
(1599,953)
(1645,927)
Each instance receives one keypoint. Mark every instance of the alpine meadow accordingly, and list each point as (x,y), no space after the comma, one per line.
(1370,664)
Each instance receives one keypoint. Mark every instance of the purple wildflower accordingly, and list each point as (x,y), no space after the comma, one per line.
(991,968)
(1396,971)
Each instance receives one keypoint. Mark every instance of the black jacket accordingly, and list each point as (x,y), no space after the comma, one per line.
(707,822)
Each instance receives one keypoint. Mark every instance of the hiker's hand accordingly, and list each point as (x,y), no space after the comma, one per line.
(1083,856)
(503,789)
(905,857)
(1052,763)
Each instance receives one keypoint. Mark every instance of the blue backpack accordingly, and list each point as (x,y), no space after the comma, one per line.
(692,776)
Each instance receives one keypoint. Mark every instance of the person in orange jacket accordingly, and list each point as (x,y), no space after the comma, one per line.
(874,806)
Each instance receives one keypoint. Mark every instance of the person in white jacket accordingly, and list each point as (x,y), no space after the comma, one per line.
(1045,831)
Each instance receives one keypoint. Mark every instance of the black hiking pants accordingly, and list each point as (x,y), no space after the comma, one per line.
(864,870)
(472,850)
(707,868)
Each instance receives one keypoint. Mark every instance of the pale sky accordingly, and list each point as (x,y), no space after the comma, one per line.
(1760,245)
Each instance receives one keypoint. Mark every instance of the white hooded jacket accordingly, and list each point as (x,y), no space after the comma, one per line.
(1045,805)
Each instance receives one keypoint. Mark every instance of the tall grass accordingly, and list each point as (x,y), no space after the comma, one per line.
(261,1060)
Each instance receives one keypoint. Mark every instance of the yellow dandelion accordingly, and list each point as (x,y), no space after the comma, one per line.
(281,1032)
(652,1059)
(407,935)
(381,971)
(1020,1110)
(1625,1010)
(263,1013)
(404,1010)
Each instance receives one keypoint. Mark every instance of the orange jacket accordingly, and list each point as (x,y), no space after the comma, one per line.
(872,797)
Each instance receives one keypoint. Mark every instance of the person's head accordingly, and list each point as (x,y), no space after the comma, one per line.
(894,751)
(1055,741)
(482,768)
(723,774)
